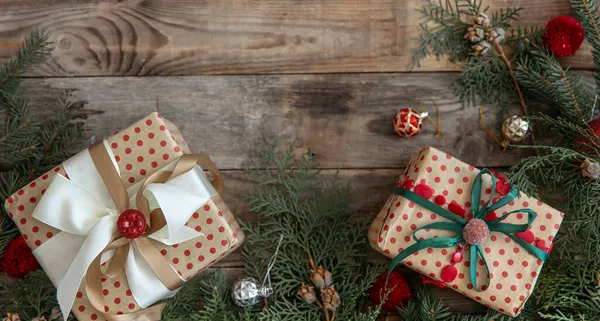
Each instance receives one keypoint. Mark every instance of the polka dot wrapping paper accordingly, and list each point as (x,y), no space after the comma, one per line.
(513,270)
(140,150)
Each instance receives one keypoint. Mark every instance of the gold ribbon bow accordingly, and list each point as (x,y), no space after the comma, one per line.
(155,220)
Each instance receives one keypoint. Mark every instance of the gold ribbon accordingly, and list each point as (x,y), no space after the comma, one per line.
(155,221)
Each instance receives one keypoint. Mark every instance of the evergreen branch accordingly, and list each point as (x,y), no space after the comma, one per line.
(586,12)
(33,50)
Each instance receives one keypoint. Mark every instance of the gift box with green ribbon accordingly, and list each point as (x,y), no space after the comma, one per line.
(467,229)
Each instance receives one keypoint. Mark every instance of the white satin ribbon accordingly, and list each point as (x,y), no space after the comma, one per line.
(82,209)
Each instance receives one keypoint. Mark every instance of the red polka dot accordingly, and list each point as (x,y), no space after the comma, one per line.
(49,235)
(140,143)
(496,263)
(93,317)
(528,286)
(131,180)
(409,263)
(187,252)
(32,200)
(510,262)
(413,227)
(487,250)
(423,262)
(457,169)
(56,170)
(189,266)
(128,167)
(163,252)
(207,207)
(142,172)
(81,308)
(162,127)
(493,298)
(507,300)
(443,168)
(151,151)
(137,130)
(451,181)
(117,284)
(150,135)
(429,250)
(23,220)
(175,260)
(163,143)
(128,293)
(131,306)
(493,238)
(198,245)
(516,250)
(165,156)
(407,239)
(198,228)
(154,164)
(79,295)
(140,159)
(405,217)
(501,251)
(498,286)
(119,313)
(177,149)
(519,276)
(224,243)
(533,274)
(521,298)
(459,191)
(392,240)
(210,237)
(209,221)
(21,208)
(117,158)
(127,150)
(105,308)
(105,292)
(117,300)
(201,258)
(525,263)
(542,228)
(148,122)
(419,214)
(35,229)
(126,137)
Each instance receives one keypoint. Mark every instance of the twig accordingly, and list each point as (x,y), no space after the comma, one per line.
(333,316)
(511,73)
(310,259)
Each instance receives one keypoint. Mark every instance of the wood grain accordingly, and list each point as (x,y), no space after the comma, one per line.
(186,37)
(345,120)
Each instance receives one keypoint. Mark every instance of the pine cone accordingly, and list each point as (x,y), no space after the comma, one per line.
(482,48)
(331,299)
(475,34)
(495,35)
(482,20)
(12,317)
(589,169)
(307,293)
(321,277)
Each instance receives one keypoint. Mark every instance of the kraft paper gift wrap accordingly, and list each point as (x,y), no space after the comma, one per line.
(190,242)
(513,270)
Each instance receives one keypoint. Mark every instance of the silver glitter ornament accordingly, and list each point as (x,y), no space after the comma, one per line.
(245,292)
(514,130)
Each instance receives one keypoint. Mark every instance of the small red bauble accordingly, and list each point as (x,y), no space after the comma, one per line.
(563,36)
(399,291)
(594,126)
(131,224)
(408,122)
(18,260)
(449,273)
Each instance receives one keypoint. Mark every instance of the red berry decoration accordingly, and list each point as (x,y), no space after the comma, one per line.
(563,36)
(131,224)
(399,292)
(18,260)
(408,122)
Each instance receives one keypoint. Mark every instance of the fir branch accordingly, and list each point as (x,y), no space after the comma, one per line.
(34,49)
(586,12)
(505,16)
(32,297)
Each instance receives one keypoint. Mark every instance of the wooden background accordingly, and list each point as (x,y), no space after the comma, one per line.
(327,74)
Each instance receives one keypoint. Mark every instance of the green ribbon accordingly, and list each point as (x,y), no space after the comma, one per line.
(457,224)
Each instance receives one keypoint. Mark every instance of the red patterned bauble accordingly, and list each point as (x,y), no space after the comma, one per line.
(399,291)
(131,224)
(594,126)
(408,122)
(18,260)
(563,36)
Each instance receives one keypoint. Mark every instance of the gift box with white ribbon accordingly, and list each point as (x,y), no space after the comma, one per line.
(124,223)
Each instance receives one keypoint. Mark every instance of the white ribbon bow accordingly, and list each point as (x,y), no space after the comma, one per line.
(86,215)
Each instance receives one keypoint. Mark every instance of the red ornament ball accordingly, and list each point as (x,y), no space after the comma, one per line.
(563,36)
(399,291)
(408,122)
(18,260)
(594,127)
(131,224)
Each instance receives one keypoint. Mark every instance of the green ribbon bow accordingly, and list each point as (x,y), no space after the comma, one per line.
(457,224)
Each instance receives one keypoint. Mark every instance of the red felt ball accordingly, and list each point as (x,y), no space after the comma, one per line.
(18,260)
(563,36)
(399,291)
(131,224)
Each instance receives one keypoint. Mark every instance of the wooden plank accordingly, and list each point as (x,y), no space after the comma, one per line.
(344,119)
(182,37)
